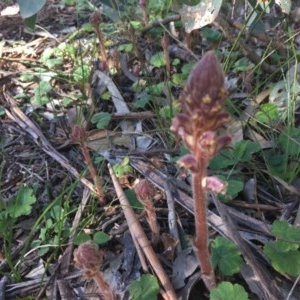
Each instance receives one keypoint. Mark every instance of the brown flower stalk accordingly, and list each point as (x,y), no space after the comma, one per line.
(201,127)
(79,135)
(143,5)
(95,20)
(165,43)
(89,258)
(145,193)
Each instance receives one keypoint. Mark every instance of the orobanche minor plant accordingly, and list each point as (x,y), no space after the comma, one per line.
(201,127)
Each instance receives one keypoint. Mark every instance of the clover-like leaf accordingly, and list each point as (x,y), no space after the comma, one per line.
(283,260)
(227,290)
(146,288)
(101,237)
(226,256)
(21,205)
(102,119)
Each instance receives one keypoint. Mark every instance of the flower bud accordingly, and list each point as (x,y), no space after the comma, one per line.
(88,258)
(144,190)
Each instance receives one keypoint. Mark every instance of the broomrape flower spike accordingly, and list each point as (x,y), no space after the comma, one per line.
(88,258)
(201,127)
(145,192)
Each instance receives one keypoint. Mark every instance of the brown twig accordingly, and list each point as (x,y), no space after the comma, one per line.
(138,233)
(159,23)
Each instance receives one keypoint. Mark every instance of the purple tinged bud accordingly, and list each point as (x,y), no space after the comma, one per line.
(205,84)
(88,258)
(144,190)
(214,184)
(188,162)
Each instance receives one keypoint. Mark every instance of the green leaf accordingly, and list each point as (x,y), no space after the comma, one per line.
(234,187)
(223,159)
(283,261)
(284,230)
(21,205)
(179,79)
(81,238)
(158,60)
(126,47)
(122,168)
(226,256)
(133,200)
(102,119)
(228,291)
(268,113)
(53,62)
(146,288)
(211,35)
(289,141)
(187,68)
(30,22)
(243,64)
(29,8)
(40,93)
(142,101)
(168,111)
(82,73)
(243,150)
(101,238)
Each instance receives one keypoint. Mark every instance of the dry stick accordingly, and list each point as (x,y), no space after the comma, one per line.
(137,232)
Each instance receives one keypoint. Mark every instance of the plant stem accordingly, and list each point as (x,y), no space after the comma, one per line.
(89,163)
(201,241)
(104,287)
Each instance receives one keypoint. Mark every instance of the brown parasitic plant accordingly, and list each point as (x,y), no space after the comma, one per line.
(201,125)
(79,135)
(145,192)
(95,20)
(143,5)
(88,258)
(165,43)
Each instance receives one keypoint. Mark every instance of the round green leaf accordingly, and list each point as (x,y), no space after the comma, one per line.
(226,256)
(146,288)
(102,119)
(228,291)
(101,237)
(81,238)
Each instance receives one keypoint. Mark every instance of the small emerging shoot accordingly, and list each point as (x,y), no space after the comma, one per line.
(88,258)
(145,193)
